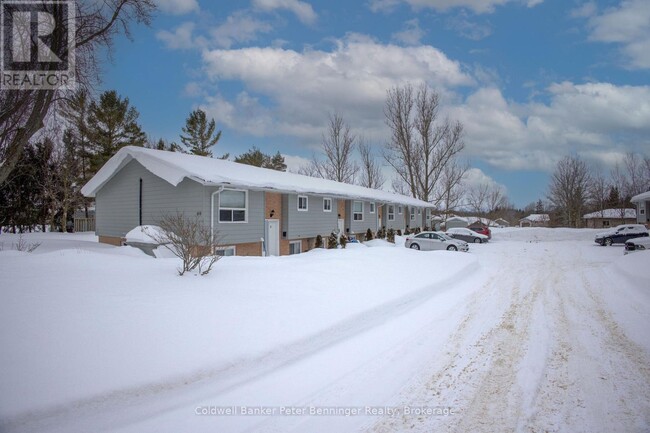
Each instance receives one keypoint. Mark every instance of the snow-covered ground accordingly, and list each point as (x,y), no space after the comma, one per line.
(537,330)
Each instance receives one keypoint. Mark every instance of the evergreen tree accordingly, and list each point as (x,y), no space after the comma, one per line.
(112,125)
(390,236)
(277,162)
(332,241)
(369,236)
(319,242)
(260,159)
(254,157)
(343,240)
(162,144)
(76,111)
(200,134)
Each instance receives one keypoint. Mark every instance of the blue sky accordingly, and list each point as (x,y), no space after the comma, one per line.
(531,80)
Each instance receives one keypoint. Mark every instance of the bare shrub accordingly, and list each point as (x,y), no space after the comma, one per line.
(188,239)
(23,245)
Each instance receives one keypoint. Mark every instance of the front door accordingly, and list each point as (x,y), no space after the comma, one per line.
(341,226)
(272,237)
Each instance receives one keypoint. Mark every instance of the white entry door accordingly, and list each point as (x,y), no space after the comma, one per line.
(342,226)
(272,237)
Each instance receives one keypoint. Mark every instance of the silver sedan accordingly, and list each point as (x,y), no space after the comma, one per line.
(428,241)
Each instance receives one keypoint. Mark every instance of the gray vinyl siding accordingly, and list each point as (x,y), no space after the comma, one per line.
(360,227)
(397,223)
(117,202)
(239,232)
(307,224)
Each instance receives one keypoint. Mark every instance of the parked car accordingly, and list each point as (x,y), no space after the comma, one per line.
(467,235)
(428,241)
(637,244)
(620,234)
(482,230)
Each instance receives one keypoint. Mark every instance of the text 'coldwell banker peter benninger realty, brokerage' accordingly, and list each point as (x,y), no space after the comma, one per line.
(323,410)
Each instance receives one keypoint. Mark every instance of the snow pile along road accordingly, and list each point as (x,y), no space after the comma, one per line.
(78,327)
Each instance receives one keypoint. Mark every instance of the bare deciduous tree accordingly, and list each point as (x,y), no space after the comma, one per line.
(421,145)
(338,147)
(188,239)
(569,189)
(451,191)
(371,175)
(23,113)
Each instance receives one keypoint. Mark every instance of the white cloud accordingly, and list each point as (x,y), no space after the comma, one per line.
(178,7)
(302,10)
(178,39)
(477,6)
(462,25)
(304,86)
(238,27)
(476,177)
(585,10)
(627,25)
(412,33)
(294,163)
(594,119)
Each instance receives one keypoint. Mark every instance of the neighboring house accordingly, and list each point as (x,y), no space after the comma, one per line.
(255,211)
(642,202)
(501,223)
(609,218)
(535,220)
(456,222)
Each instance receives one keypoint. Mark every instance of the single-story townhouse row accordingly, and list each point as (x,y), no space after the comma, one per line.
(609,218)
(642,202)
(254,211)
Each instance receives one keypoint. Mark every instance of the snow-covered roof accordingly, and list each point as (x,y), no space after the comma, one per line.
(538,217)
(641,197)
(173,167)
(612,213)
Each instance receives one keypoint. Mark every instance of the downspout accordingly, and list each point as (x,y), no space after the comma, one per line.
(212,211)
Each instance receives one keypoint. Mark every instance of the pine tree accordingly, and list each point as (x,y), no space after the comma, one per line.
(260,159)
(112,125)
(200,134)
(343,241)
(319,242)
(277,162)
(369,236)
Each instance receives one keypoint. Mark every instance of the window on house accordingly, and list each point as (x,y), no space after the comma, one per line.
(233,206)
(642,211)
(412,214)
(391,213)
(303,203)
(225,251)
(327,205)
(357,211)
(605,223)
(399,210)
(372,207)
(295,247)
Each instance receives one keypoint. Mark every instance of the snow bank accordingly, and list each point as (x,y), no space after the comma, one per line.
(382,243)
(143,234)
(543,234)
(78,324)
(635,267)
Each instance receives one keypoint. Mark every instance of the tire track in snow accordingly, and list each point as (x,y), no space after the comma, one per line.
(485,374)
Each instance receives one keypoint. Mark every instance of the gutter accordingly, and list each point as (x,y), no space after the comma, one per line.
(212,211)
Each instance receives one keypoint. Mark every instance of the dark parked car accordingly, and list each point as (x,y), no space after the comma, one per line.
(637,244)
(467,235)
(620,234)
(482,230)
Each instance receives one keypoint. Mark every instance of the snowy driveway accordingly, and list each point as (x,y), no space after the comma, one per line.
(544,332)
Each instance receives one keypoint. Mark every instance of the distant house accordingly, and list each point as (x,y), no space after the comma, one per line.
(500,222)
(535,220)
(456,222)
(610,218)
(642,202)
(256,211)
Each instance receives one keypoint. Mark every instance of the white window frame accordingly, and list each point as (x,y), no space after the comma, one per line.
(354,214)
(412,214)
(399,210)
(325,200)
(226,248)
(306,209)
(299,243)
(391,215)
(245,209)
(372,207)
